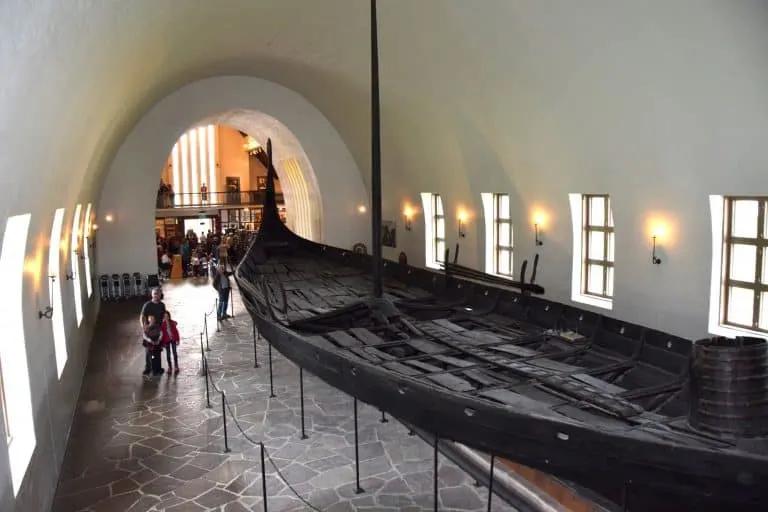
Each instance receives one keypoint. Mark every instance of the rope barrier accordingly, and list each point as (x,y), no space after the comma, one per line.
(253,441)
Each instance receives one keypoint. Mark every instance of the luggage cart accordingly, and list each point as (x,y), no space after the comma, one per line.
(127,286)
(116,293)
(104,282)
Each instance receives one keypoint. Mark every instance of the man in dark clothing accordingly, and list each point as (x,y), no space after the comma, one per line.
(222,285)
(155,308)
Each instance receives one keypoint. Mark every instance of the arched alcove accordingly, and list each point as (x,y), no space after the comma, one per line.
(303,139)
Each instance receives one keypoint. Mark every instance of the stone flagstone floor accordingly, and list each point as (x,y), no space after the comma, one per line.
(152,444)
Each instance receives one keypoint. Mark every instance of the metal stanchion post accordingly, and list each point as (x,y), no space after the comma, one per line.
(263,478)
(216,309)
(301,400)
(255,356)
(434,471)
(203,368)
(205,329)
(232,302)
(383,418)
(490,483)
(271,381)
(224,418)
(358,490)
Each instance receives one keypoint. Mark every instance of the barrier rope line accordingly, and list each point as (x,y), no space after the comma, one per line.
(251,440)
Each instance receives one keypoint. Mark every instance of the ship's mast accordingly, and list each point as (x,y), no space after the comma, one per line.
(375,157)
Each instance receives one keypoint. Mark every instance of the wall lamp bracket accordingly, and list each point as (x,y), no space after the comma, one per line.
(537,235)
(654,259)
(70,276)
(462,229)
(46,313)
(408,223)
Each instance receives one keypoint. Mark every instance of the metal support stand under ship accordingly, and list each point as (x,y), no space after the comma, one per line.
(648,420)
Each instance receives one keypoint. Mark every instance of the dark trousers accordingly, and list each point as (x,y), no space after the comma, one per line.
(223,301)
(152,361)
(171,346)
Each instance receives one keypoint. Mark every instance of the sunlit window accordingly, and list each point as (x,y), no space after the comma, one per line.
(498,234)
(54,281)
(593,249)
(744,298)
(87,250)
(75,260)
(17,400)
(597,246)
(434,218)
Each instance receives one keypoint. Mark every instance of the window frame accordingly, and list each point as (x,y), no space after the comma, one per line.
(498,225)
(437,239)
(607,229)
(760,242)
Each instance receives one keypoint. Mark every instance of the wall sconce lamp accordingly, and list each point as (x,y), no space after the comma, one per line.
(48,311)
(536,233)
(362,209)
(109,217)
(654,259)
(538,222)
(70,276)
(408,214)
(462,216)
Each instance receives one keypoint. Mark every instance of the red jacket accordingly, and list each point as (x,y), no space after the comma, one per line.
(169,332)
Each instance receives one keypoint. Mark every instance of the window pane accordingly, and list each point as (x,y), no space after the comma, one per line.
(503,266)
(744,218)
(610,214)
(595,279)
(611,238)
(439,228)
(440,250)
(596,245)
(438,205)
(763,311)
(504,238)
(609,284)
(503,206)
(596,211)
(740,304)
(764,275)
(743,262)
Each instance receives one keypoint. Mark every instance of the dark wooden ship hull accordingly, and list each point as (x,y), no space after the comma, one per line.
(590,399)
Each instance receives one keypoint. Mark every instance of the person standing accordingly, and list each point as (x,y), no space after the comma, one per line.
(154,307)
(169,338)
(222,285)
(204,193)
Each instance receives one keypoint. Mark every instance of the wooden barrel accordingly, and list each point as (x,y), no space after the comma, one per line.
(729,386)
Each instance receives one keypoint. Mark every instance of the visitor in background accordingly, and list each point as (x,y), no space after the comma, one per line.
(204,193)
(222,285)
(169,338)
(223,253)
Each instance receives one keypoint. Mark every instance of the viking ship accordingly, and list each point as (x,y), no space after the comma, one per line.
(489,363)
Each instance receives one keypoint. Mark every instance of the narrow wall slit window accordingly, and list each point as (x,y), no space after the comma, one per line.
(597,246)
(75,260)
(87,250)
(502,220)
(3,401)
(744,299)
(439,220)
(434,229)
(17,399)
(54,281)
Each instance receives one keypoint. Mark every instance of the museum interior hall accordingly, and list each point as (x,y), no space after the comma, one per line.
(417,255)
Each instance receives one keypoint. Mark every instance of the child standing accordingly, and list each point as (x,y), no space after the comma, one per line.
(169,337)
(151,341)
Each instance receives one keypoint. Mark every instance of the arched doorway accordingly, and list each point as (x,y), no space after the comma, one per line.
(310,157)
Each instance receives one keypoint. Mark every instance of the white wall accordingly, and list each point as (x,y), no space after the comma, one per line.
(130,187)
(53,399)
(658,104)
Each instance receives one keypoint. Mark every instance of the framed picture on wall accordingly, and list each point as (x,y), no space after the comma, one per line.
(261,182)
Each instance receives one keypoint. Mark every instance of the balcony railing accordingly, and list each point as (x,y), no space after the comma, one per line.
(197,199)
